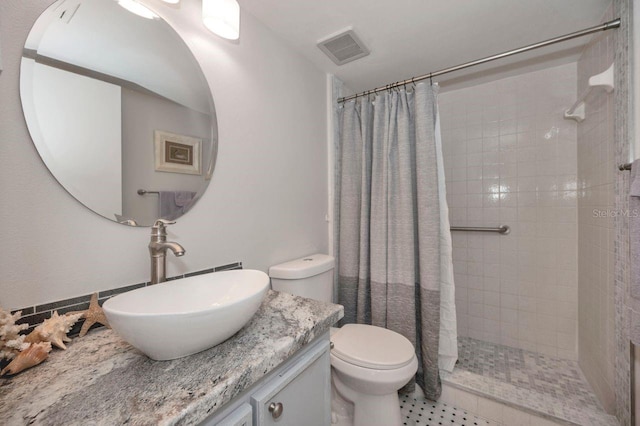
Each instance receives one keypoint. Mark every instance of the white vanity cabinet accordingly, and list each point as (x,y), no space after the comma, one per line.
(241,416)
(298,392)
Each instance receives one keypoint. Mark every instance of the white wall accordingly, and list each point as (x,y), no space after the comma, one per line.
(266,202)
(510,159)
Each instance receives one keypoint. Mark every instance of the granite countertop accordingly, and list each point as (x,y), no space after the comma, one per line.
(102,380)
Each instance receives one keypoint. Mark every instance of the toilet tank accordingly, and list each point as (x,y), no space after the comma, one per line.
(310,277)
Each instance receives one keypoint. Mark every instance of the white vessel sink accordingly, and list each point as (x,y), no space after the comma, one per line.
(181,317)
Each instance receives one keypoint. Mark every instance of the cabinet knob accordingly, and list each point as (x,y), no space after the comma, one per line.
(276,409)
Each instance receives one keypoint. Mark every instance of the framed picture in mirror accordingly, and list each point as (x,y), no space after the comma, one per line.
(177,153)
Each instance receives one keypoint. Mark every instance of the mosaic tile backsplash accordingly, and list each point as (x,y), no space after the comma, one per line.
(35,315)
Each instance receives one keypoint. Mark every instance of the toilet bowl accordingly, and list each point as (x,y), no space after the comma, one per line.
(368,364)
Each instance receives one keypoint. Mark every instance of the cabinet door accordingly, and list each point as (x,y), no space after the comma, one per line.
(301,395)
(241,416)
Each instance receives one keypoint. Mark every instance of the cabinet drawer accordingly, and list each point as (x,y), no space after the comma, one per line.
(300,395)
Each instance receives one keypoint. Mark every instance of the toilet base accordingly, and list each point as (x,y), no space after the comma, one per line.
(368,412)
(338,420)
(378,410)
(365,410)
(341,409)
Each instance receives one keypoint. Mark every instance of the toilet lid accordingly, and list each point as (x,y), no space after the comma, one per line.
(372,347)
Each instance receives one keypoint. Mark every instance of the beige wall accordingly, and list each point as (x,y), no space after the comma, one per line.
(596,203)
(510,159)
(266,203)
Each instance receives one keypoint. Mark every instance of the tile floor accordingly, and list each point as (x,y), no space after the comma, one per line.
(419,411)
(536,383)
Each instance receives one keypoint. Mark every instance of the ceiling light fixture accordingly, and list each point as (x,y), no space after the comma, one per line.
(171,1)
(222,17)
(138,9)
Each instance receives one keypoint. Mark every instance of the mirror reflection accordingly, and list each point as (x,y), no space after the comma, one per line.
(119,110)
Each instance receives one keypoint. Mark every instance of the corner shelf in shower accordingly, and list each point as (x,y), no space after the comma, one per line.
(604,80)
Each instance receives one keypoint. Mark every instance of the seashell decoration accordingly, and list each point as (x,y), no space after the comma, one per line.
(54,330)
(32,349)
(11,341)
(93,315)
(33,355)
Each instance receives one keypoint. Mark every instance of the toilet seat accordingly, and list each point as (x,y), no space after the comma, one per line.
(372,347)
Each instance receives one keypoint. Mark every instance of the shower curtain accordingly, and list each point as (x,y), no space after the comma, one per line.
(394,244)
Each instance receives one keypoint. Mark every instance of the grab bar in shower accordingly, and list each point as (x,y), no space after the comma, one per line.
(625,166)
(144,191)
(504,229)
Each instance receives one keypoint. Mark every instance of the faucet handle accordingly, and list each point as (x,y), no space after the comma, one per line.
(161,223)
(159,230)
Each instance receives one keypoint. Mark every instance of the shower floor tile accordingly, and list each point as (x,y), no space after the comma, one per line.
(541,384)
(418,411)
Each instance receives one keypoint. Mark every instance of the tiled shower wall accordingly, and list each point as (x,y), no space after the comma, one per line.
(510,159)
(623,139)
(596,214)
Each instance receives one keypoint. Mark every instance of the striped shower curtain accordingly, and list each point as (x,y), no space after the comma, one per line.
(394,246)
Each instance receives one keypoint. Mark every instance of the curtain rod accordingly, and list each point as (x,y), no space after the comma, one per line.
(602,27)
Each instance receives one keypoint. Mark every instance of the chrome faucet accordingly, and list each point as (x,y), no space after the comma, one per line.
(158,250)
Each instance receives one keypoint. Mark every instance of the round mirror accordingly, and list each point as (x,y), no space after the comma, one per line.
(119,109)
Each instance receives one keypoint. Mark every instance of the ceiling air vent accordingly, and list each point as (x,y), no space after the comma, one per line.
(344,47)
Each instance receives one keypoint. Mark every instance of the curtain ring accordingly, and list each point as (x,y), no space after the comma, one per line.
(430,79)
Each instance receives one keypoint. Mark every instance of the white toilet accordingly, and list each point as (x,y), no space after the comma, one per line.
(368,364)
